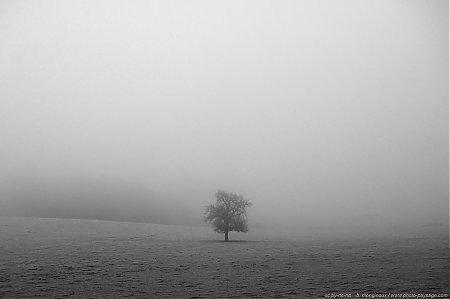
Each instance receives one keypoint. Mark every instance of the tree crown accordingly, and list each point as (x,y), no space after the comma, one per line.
(228,213)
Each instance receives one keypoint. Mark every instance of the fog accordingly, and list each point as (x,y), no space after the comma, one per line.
(324,114)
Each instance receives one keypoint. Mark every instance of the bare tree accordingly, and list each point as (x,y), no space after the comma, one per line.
(228,213)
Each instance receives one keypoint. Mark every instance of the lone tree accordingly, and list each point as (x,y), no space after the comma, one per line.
(228,213)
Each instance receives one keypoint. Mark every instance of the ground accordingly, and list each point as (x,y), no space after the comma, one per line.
(55,258)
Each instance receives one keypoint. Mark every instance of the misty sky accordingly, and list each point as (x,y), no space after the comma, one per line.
(321,113)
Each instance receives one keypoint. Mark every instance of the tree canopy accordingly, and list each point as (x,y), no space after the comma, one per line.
(229,213)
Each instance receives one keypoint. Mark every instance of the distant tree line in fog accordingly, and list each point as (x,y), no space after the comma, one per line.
(84,200)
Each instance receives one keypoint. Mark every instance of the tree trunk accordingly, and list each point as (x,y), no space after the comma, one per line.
(226,235)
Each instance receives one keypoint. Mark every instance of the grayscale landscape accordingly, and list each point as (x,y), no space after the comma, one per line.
(217,149)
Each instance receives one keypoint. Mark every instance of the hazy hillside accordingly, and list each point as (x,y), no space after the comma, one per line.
(91,200)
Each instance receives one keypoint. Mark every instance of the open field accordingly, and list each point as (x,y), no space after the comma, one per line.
(55,258)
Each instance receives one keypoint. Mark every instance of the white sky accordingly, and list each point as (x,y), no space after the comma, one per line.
(320,112)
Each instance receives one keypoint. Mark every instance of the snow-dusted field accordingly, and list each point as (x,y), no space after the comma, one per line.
(56,258)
